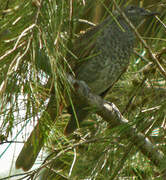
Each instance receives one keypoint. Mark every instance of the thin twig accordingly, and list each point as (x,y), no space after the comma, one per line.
(152,55)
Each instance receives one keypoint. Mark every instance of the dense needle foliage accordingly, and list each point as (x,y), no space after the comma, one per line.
(36,37)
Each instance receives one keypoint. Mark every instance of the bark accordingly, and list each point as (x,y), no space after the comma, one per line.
(110,113)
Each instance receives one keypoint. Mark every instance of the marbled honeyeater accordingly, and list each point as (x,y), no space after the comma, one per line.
(109,45)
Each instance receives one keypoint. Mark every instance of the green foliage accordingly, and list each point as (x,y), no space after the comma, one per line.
(35,38)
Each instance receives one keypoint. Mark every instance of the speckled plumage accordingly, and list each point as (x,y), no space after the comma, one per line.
(110,48)
(113,48)
(110,44)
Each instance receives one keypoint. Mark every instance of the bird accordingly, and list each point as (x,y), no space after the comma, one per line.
(104,53)
(112,47)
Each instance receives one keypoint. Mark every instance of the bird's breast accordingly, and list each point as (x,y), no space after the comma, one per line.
(113,49)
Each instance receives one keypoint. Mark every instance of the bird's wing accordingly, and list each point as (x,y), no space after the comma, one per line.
(82,46)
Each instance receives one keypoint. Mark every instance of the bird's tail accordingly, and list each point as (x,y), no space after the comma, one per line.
(30,149)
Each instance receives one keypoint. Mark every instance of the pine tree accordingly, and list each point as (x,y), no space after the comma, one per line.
(35,38)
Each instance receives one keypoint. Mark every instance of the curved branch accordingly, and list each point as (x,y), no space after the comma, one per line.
(113,116)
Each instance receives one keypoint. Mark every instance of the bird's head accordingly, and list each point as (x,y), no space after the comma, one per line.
(137,14)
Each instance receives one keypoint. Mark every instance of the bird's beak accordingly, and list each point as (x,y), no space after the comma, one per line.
(151,13)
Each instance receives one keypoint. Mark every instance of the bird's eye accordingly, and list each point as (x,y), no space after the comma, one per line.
(131,9)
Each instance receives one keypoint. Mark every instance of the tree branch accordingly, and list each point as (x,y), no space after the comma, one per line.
(113,116)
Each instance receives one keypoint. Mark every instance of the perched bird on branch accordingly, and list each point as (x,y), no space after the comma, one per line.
(107,49)
(110,44)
